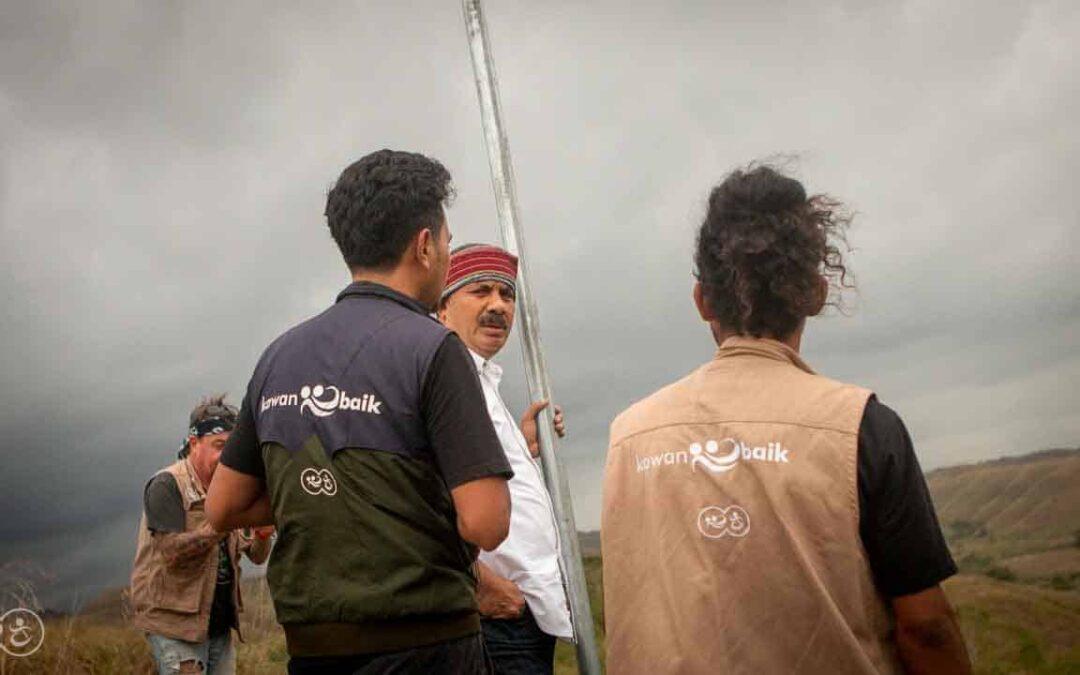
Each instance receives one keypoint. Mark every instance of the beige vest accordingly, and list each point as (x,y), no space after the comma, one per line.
(730,525)
(175,602)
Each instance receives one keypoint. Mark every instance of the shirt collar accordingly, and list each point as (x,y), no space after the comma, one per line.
(486,367)
(762,347)
(194,484)
(370,288)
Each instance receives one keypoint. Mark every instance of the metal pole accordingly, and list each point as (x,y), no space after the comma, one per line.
(502,178)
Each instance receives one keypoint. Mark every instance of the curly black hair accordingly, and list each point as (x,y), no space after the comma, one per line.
(763,249)
(381,201)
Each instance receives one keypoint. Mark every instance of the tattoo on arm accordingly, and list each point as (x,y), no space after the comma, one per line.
(183,548)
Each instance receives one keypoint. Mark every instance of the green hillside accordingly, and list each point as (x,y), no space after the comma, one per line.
(1014,517)
(1034,498)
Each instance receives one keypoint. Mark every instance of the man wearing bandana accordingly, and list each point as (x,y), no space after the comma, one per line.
(520,584)
(185,589)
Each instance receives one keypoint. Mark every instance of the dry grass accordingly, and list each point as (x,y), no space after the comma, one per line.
(102,641)
(1017,628)
(1009,627)
(1046,564)
(1019,517)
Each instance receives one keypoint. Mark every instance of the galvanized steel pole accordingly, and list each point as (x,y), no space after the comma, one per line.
(502,178)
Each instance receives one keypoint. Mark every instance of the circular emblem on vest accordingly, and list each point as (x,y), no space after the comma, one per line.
(716,522)
(318,482)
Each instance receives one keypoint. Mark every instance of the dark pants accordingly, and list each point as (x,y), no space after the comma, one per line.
(518,646)
(464,656)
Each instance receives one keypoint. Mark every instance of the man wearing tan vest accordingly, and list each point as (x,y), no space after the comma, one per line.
(758,517)
(185,582)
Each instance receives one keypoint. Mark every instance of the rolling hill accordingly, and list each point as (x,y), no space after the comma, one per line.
(1021,513)
(1035,498)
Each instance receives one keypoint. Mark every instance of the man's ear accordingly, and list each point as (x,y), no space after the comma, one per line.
(424,247)
(822,296)
(702,306)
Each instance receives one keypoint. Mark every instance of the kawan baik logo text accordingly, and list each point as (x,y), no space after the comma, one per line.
(716,456)
(323,400)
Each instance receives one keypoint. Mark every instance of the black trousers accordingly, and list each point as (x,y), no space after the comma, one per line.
(518,646)
(463,656)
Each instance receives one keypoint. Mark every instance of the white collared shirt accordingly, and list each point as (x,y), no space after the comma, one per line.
(529,556)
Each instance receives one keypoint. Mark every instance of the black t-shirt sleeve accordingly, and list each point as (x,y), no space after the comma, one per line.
(243,451)
(163,504)
(461,434)
(897,522)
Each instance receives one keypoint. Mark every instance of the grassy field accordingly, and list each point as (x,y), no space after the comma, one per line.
(1010,627)
(1013,525)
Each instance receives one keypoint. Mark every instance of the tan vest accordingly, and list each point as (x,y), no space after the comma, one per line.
(175,602)
(730,525)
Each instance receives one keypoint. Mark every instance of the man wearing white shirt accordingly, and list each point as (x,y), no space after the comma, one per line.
(521,593)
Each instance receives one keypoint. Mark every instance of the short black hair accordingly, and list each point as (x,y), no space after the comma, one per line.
(763,249)
(381,201)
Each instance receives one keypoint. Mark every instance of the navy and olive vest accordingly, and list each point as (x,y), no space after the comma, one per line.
(368,556)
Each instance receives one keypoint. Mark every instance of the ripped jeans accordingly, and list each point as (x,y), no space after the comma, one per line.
(216,656)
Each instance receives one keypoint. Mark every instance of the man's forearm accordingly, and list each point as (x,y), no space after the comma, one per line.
(183,548)
(484,574)
(258,514)
(497,597)
(928,636)
(256,547)
(933,647)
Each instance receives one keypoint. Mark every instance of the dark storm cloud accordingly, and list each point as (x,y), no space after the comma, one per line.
(163,169)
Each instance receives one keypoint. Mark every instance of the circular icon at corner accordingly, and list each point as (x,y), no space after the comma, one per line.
(21,632)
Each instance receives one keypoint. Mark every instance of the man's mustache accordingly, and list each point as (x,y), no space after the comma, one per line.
(493,320)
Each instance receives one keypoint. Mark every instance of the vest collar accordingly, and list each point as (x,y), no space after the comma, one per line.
(370,288)
(190,482)
(742,345)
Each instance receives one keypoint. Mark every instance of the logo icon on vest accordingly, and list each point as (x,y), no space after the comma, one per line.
(710,459)
(323,400)
(717,522)
(318,482)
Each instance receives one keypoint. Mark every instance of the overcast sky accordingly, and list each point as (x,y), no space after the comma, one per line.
(164,166)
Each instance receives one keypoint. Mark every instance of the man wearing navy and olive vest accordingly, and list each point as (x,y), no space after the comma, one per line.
(364,437)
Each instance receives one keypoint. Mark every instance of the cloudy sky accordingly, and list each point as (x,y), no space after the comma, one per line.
(163,171)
